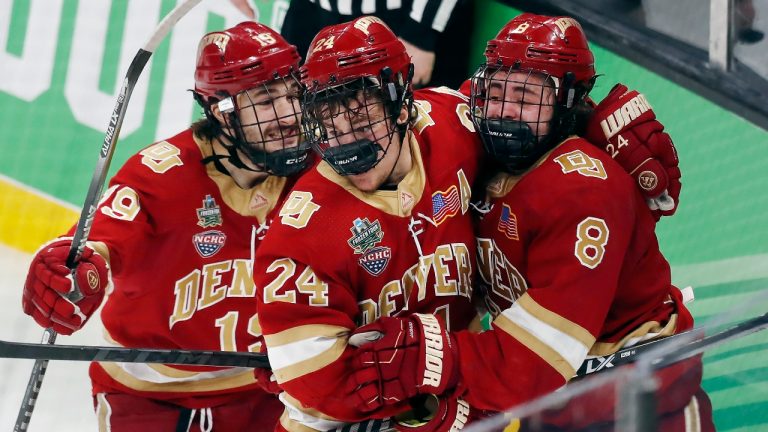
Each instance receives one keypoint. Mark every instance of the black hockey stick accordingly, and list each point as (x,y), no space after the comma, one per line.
(94,193)
(695,346)
(239,359)
(131,355)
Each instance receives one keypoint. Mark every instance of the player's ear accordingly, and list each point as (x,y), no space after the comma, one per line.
(217,112)
(403,118)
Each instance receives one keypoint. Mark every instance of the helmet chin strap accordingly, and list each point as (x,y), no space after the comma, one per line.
(362,155)
(285,162)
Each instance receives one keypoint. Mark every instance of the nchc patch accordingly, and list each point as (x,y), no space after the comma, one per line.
(209,242)
(210,214)
(376,260)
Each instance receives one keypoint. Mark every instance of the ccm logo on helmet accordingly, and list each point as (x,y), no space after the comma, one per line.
(434,350)
(624,115)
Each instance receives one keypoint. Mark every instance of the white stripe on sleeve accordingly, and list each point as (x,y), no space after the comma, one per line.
(368,7)
(443,14)
(570,349)
(417,10)
(282,356)
(304,418)
(345,7)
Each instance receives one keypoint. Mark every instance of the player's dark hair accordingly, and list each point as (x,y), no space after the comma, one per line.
(205,128)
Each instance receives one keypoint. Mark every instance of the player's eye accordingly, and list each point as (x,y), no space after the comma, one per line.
(362,129)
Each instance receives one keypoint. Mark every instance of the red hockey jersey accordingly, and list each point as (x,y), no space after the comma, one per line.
(178,239)
(571,266)
(337,258)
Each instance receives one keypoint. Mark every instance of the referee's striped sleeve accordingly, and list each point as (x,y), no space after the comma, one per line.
(433,13)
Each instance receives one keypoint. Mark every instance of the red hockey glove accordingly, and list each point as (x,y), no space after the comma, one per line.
(399,358)
(446,413)
(49,280)
(625,125)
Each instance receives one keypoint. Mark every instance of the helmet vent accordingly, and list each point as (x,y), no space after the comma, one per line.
(359,58)
(553,56)
(490,49)
(223,75)
(251,68)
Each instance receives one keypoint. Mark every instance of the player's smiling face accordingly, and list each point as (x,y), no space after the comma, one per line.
(521,96)
(364,118)
(270,115)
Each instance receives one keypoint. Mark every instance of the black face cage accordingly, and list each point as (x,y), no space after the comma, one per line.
(351,125)
(266,121)
(508,113)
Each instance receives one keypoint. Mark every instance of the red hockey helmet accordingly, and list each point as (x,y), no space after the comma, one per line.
(359,48)
(551,45)
(362,55)
(240,58)
(531,52)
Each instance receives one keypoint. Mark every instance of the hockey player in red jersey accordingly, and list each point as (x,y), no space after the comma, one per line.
(381,227)
(568,256)
(172,244)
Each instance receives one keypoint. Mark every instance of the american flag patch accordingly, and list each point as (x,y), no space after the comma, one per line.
(508,223)
(445,204)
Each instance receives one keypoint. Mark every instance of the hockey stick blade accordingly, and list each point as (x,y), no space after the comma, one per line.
(131,355)
(94,192)
(695,346)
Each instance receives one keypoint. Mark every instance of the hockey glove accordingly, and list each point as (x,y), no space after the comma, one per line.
(625,126)
(399,358)
(433,414)
(49,281)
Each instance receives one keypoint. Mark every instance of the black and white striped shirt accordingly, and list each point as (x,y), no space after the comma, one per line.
(432,13)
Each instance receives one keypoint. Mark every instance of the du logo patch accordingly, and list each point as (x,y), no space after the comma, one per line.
(210,214)
(376,260)
(209,242)
(365,235)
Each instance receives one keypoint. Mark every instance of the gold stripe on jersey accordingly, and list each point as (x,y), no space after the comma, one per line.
(296,334)
(169,370)
(692,416)
(549,355)
(257,201)
(296,404)
(101,249)
(646,331)
(564,325)
(301,350)
(308,365)
(560,342)
(292,425)
(120,375)
(103,412)
(390,202)
(173,372)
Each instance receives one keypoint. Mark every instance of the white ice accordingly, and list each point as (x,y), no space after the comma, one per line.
(65,402)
